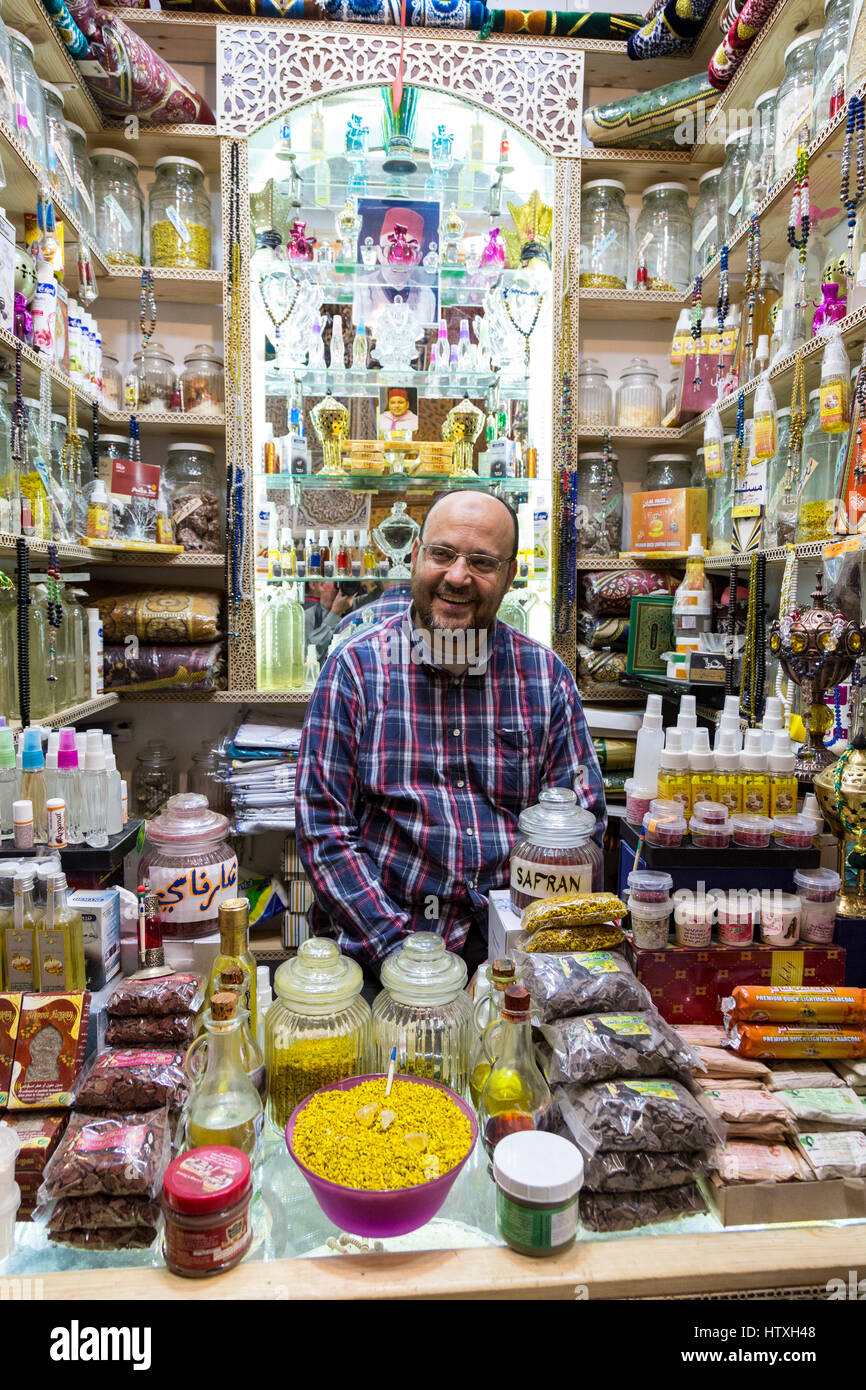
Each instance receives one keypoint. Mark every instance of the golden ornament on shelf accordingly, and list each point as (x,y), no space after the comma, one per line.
(461,427)
(841,793)
(331,422)
(531,241)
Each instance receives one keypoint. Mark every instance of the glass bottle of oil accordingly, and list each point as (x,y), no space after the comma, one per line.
(515,1095)
(753,774)
(783,778)
(234,924)
(675,783)
(60,942)
(702,769)
(501,976)
(233,980)
(225,1107)
(20,964)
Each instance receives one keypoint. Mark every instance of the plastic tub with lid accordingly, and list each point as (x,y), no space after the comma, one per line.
(190,864)
(424,1011)
(556,852)
(650,923)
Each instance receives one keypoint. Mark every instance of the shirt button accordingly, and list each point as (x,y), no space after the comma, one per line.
(461,784)
(456,733)
(469,830)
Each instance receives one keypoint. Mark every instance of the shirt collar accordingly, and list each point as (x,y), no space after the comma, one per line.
(419,638)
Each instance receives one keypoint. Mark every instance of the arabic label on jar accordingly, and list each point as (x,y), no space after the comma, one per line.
(194,894)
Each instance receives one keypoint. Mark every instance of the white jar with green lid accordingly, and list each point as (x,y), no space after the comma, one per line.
(538,1177)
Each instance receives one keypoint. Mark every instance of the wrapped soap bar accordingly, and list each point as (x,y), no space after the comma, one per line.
(787,1040)
(840,1109)
(604,937)
(572,910)
(795,1004)
(839,1154)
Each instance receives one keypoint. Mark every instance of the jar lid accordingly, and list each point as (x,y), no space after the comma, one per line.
(736,135)
(319,978)
(76,129)
(178,159)
(115,154)
(765,96)
(665,188)
(654,819)
(651,911)
(55,91)
(187,817)
(596,456)
(604,183)
(772,900)
(155,751)
(710,174)
(203,352)
(758,825)
(827,880)
(649,880)
(690,906)
(157,350)
(669,458)
(198,448)
(802,825)
(713,812)
(423,971)
(20,38)
(590,366)
(538,1167)
(665,806)
(735,903)
(557,819)
(112,439)
(639,366)
(207,1179)
(812,37)
(698,825)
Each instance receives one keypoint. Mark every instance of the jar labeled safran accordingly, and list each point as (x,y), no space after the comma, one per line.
(556,853)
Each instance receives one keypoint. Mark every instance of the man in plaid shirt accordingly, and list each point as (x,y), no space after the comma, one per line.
(419,751)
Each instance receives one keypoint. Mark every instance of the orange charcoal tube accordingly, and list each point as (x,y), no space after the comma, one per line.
(795,1004)
(788,1040)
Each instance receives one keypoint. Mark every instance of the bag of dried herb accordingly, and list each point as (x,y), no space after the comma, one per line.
(656,1116)
(563,985)
(624,1211)
(642,1172)
(113,1155)
(595,1047)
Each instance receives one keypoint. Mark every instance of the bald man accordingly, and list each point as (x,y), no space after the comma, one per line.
(426,736)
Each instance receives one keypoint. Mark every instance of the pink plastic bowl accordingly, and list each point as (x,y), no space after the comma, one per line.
(373,1212)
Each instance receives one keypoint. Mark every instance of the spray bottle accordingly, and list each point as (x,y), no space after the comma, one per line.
(32,783)
(753,775)
(772,723)
(702,769)
(674,778)
(687,720)
(728,789)
(783,778)
(650,742)
(693,601)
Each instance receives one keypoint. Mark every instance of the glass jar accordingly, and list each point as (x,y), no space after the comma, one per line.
(775,512)
(205,778)
(202,382)
(108,448)
(155,372)
(29,123)
(119,207)
(154,780)
(195,496)
(34,478)
(794,102)
(112,381)
(720,501)
(667,471)
(731,183)
(594,397)
(672,395)
(604,235)
(758,171)
(8,487)
(706,238)
(85,204)
(599,504)
(58,145)
(7,85)
(191,866)
(424,1012)
(556,852)
(831,52)
(317,1030)
(855,70)
(181,225)
(638,396)
(817,489)
(665,213)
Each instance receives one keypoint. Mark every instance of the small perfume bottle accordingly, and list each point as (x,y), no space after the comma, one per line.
(464,348)
(324,551)
(316,348)
(338,350)
(453,362)
(369,558)
(355,555)
(443,348)
(314,557)
(341,557)
(359,348)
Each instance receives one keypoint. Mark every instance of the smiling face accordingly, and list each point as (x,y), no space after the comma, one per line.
(397,404)
(454,598)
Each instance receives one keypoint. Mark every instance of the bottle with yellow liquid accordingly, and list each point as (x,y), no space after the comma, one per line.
(754,780)
(60,942)
(225,1107)
(675,783)
(232,980)
(702,769)
(728,789)
(515,1095)
(488,1013)
(234,926)
(783,778)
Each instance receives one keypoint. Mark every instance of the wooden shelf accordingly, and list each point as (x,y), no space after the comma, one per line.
(169,422)
(638,169)
(73,715)
(186,560)
(628,562)
(658,306)
(628,436)
(774,555)
(33,364)
(170,286)
(150,143)
(52,61)
(67,551)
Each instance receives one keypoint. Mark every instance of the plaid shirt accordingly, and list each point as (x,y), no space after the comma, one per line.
(410,781)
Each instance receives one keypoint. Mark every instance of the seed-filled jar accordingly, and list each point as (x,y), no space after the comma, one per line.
(649,886)
(758,172)
(599,504)
(638,396)
(667,471)
(194,494)
(29,123)
(85,204)
(556,853)
(604,234)
(156,378)
(665,214)
(706,236)
(317,1030)
(731,182)
(794,102)
(650,923)
(191,866)
(181,225)
(61,169)
(202,381)
(7,85)
(594,396)
(119,207)
(831,52)
(424,1012)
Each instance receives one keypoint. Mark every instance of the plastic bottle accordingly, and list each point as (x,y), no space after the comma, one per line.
(359,348)
(31,786)
(764,416)
(783,778)
(772,722)
(265,997)
(714,446)
(674,781)
(693,601)
(95,647)
(51,764)
(835,386)
(8,782)
(762,355)
(94,786)
(702,769)
(687,720)
(541,531)
(728,789)
(97,512)
(113,808)
(311,666)
(682,338)
(753,775)
(649,746)
(729,722)
(68,785)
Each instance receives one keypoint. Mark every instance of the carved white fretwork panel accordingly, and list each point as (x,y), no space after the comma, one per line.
(264,71)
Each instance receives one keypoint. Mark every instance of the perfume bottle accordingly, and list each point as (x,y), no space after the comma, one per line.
(359,348)
(368,253)
(357,136)
(431,260)
(341,557)
(311,666)
(368,562)
(443,348)
(464,348)
(314,560)
(402,248)
(494,249)
(325,553)
(316,348)
(452,361)
(338,350)
(300,247)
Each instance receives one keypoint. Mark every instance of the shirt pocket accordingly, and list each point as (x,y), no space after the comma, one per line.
(515,765)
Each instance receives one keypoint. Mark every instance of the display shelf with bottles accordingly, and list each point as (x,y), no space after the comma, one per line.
(74,714)
(619,305)
(168,422)
(33,364)
(395,481)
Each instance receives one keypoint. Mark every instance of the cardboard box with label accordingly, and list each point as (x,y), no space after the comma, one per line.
(100,916)
(667,518)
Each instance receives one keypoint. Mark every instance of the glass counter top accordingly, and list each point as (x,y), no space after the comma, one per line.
(397,482)
(431,385)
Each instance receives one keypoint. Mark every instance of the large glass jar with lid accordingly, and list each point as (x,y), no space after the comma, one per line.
(706,238)
(731,183)
(604,235)
(556,852)
(108,448)
(202,382)
(317,1030)
(424,1012)
(775,512)
(181,226)
(794,102)
(594,396)
(191,866)
(34,479)
(599,504)
(831,51)
(665,214)
(194,492)
(638,396)
(816,509)
(667,471)
(205,778)
(758,172)
(156,378)
(7,85)
(112,381)
(82,168)
(29,123)
(154,779)
(855,70)
(119,207)
(61,169)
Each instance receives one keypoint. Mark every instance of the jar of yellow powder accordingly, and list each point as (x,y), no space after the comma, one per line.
(181,226)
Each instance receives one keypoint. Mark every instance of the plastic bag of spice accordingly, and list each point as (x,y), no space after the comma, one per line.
(623,1211)
(642,1172)
(562,986)
(171,1028)
(106,1238)
(657,1116)
(132,1079)
(117,1155)
(87,1213)
(148,998)
(604,937)
(597,1046)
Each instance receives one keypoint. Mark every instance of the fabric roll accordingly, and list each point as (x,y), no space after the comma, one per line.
(673,30)
(666,118)
(738,40)
(74,40)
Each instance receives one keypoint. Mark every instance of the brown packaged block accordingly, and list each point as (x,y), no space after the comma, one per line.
(10,1009)
(49,1053)
(728,1083)
(724,1064)
(745,1161)
(155,997)
(752,1114)
(110,1238)
(38,1135)
(133,1079)
(170,1028)
(795,1004)
(115,1155)
(98,1211)
(788,1040)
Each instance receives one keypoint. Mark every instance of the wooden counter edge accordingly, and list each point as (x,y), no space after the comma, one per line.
(628,1267)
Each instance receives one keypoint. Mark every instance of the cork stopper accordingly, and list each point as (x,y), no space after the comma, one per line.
(223,1006)
(516,1002)
(232,977)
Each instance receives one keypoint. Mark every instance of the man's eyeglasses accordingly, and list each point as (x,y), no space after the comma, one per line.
(443,557)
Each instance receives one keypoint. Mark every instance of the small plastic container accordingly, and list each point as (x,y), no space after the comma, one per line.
(10,1201)
(664,829)
(637,801)
(780,919)
(738,913)
(694,914)
(708,834)
(650,923)
(665,806)
(818,885)
(648,886)
(714,812)
(9,1149)
(538,1177)
(818,890)
(794,832)
(206,1202)
(751,832)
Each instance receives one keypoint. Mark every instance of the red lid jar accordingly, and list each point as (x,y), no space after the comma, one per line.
(206,1201)
(191,866)
(556,853)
